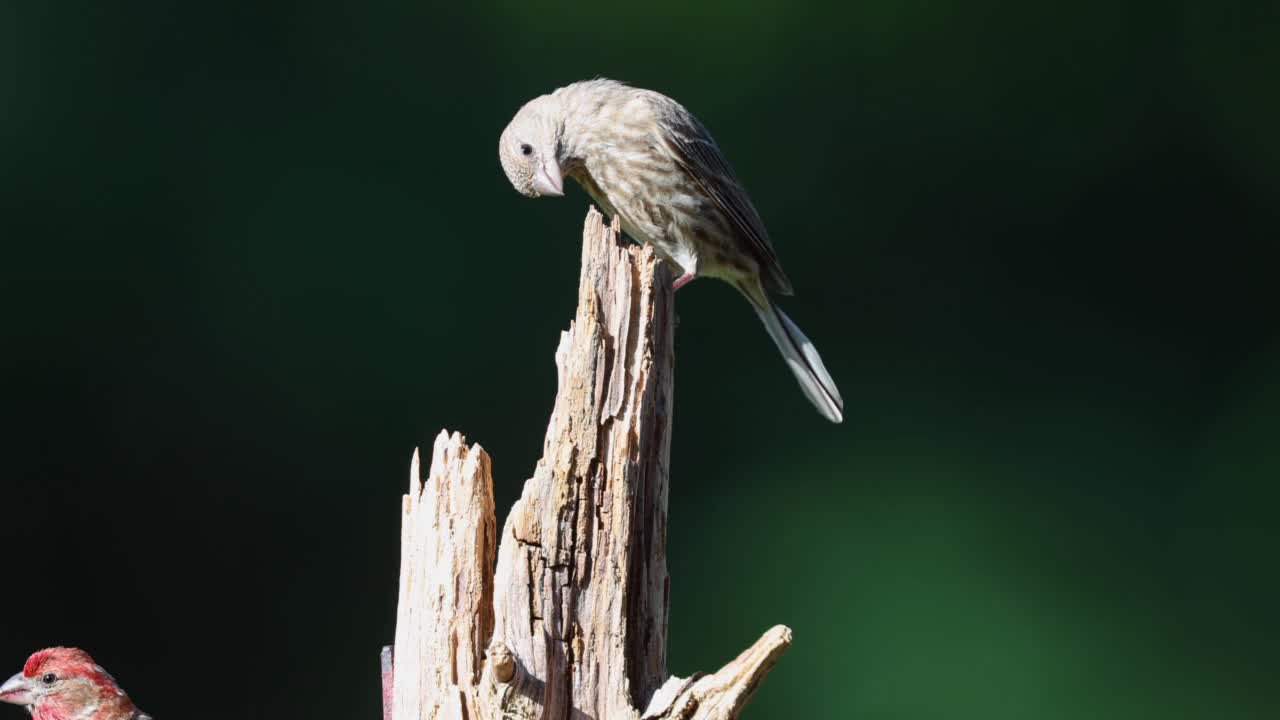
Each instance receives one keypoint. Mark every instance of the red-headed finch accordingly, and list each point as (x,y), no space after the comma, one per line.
(66,684)
(646,160)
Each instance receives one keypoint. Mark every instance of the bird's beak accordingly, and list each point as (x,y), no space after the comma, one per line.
(16,690)
(547,180)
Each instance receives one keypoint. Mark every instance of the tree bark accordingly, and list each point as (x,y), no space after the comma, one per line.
(573,621)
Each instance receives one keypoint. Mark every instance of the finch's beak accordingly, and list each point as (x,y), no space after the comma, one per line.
(547,180)
(16,690)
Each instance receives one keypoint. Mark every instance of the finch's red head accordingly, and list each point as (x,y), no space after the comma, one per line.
(64,684)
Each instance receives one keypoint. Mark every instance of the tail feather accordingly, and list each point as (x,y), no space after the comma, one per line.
(800,355)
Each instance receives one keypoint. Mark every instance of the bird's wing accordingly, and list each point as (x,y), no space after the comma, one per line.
(693,148)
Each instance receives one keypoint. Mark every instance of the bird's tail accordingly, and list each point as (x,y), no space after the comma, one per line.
(799,353)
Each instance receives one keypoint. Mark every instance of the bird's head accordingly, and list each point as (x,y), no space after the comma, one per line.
(62,683)
(529,148)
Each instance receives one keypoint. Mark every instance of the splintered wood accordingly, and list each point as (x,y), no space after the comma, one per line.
(445,615)
(575,625)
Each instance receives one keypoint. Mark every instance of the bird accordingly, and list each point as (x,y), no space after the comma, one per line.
(64,683)
(649,162)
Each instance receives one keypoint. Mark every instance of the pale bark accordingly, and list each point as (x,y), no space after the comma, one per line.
(445,615)
(575,624)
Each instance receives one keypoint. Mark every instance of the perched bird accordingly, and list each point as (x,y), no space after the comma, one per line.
(648,161)
(66,684)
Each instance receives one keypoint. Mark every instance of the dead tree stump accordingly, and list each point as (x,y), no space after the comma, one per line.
(572,623)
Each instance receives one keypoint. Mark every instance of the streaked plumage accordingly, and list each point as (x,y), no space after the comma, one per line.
(647,160)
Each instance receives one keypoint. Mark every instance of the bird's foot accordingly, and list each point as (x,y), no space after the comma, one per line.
(683,280)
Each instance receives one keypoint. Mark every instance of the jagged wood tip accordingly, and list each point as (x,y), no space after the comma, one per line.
(566,617)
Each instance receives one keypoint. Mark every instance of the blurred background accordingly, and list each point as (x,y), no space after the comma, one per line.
(255,252)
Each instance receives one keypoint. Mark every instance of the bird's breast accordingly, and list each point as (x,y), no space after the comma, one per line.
(654,202)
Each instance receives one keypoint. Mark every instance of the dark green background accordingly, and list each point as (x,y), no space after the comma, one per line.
(253,253)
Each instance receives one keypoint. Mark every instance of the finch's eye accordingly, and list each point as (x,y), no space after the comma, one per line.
(49,679)
(526,149)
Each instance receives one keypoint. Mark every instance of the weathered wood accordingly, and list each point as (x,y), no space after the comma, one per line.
(584,549)
(445,614)
(721,696)
(575,624)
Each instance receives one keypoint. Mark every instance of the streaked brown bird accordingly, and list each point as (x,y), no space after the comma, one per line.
(648,161)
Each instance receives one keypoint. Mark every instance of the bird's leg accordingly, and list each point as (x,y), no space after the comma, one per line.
(683,280)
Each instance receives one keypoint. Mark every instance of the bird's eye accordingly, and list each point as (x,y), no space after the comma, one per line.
(526,149)
(49,679)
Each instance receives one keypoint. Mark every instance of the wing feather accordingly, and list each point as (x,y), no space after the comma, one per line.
(694,150)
